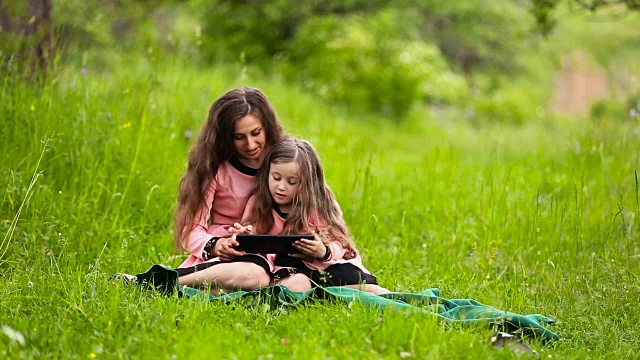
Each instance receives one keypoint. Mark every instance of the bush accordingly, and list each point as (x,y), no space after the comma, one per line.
(615,110)
(258,31)
(608,110)
(633,105)
(368,64)
(509,107)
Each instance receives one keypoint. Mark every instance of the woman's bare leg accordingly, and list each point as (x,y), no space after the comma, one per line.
(295,282)
(228,277)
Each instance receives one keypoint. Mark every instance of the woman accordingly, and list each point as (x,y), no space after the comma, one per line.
(221,175)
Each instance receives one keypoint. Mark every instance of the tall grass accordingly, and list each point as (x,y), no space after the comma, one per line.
(541,218)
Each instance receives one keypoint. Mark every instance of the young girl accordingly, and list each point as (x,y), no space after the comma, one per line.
(292,198)
(241,127)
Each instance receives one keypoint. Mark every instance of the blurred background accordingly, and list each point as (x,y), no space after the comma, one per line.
(489,148)
(507,61)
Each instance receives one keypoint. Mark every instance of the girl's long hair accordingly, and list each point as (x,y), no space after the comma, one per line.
(314,205)
(215,146)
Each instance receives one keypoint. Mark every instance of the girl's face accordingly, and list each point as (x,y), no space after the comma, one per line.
(284,182)
(249,139)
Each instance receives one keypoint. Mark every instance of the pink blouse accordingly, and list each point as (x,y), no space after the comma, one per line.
(224,204)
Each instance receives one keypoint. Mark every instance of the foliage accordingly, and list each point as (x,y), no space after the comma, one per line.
(362,62)
(502,107)
(543,10)
(385,56)
(123,25)
(259,30)
(475,34)
(608,110)
(633,105)
(469,33)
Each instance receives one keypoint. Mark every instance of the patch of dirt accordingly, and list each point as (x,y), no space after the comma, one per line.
(580,83)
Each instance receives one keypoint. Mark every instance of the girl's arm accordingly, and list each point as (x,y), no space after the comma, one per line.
(319,250)
(335,247)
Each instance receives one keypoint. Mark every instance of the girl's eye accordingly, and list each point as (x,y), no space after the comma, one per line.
(292,182)
(276,178)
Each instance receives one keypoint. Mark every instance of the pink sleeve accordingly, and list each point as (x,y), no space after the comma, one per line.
(198,237)
(248,209)
(337,250)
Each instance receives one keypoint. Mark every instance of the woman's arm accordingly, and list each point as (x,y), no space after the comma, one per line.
(198,236)
(223,247)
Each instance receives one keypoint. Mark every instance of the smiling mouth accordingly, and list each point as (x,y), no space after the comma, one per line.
(252,152)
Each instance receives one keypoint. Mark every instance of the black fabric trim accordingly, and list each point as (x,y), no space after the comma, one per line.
(258,260)
(277,209)
(343,274)
(238,165)
(334,275)
(192,269)
(284,260)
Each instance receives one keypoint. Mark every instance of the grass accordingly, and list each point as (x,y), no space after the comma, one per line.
(541,218)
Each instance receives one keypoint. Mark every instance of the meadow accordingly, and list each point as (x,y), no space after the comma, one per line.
(538,218)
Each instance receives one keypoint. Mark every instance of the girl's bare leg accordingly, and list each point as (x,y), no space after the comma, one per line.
(374,289)
(228,277)
(295,282)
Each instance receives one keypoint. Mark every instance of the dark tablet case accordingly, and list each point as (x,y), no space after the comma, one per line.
(269,244)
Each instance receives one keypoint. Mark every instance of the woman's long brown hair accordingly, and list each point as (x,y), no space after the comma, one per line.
(215,146)
(314,205)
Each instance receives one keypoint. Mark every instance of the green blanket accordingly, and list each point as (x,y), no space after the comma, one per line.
(428,302)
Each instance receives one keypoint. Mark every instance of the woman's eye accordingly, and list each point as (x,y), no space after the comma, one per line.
(255,133)
(237,137)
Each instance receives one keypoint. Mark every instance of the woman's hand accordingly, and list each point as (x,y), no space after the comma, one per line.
(238,228)
(310,249)
(224,248)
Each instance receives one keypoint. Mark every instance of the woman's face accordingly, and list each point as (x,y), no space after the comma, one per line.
(249,140)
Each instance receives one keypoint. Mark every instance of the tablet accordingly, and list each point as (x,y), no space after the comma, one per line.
(269,244)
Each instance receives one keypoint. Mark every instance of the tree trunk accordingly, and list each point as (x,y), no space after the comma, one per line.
(25,32)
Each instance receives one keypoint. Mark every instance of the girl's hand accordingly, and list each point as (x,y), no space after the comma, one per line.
(238,228)
(224,248)
(310,249)
(350,254)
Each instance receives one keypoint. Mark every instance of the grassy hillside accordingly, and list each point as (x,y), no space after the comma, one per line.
(542,218)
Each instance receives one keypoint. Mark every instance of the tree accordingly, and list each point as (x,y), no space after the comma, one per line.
(25,32)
